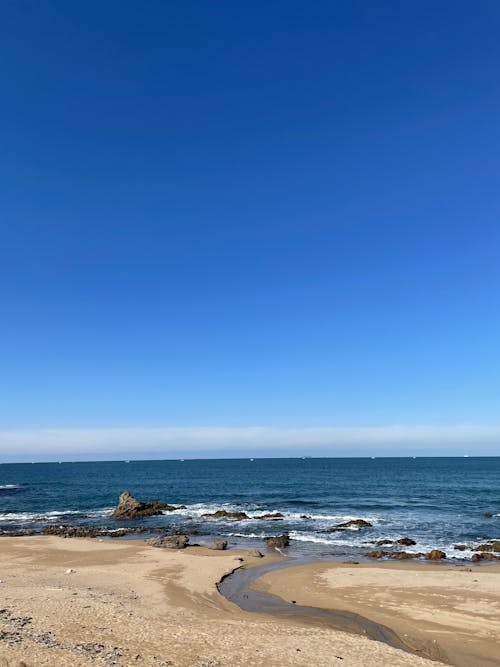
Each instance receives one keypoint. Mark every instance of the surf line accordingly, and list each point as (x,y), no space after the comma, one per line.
(236,587)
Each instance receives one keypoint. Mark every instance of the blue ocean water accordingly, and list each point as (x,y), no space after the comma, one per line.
(436,501)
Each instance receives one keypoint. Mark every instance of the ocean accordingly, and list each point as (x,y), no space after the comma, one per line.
(438,502)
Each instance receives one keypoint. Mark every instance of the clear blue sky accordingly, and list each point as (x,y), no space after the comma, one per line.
(278,214)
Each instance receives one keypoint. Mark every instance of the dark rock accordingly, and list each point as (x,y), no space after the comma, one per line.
(488,515)
(435,554)
(219,545)
(404,555)
(71,531)
(378,554)
(382,543)
(93,531)
(355,522)
(484,547)
(277,541)
(275,516)
(169,541)
(181,530)
(485,555)
(406,541)
(361,523)
(460,547)
(224,514)
(130,508)
(304,516)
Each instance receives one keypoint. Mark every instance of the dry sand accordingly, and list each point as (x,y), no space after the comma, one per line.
(127,603)
(450,611)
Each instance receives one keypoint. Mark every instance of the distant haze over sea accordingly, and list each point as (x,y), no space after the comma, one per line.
(236,442)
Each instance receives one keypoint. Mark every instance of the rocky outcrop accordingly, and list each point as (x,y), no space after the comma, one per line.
(489,546)
(397,555)
(277,541)
(18,533)
(382,543)
(404,555)
(460,547)
(218,545)
(93,531)
(224,514)
(169,541)
(435,554)
(130,508)
(276,516)
(484,555)
(361,523)
(406,541)
(72,531)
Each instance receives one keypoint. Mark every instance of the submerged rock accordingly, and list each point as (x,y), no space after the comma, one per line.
(277,541)
(361,523)
(224,514)
(130,508)
(406,541)
(488,515)
(169,541)
(382,543)
(275,515)
(460,547)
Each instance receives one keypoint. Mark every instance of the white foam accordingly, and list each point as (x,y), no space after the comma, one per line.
(197,510)
(316,539)
(10,486)
(30,517)
(250,535)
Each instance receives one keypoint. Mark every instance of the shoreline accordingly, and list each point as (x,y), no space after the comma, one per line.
(448,612)
(117,603)
(486,551)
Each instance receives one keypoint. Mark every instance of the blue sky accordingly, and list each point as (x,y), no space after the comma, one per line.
(233,215)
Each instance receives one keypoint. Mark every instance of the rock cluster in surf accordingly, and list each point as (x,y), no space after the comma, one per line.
(130,508)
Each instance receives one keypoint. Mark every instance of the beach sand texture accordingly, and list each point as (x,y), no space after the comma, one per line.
(450,611)
(92,602)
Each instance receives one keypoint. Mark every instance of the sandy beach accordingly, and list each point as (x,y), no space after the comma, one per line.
(452,612)
(92,602)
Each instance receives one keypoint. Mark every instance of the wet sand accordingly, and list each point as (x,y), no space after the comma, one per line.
(450,612)
(99,602)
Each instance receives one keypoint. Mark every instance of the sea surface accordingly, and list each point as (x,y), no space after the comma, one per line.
(438,502)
